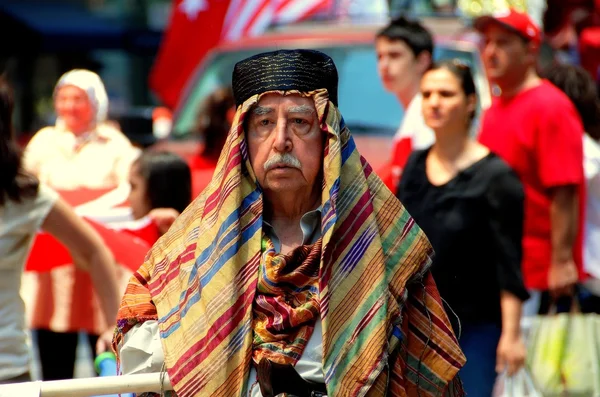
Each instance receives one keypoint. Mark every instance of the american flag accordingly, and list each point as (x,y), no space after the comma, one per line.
(252,17)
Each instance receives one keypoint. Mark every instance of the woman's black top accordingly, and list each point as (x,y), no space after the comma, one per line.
(475,224)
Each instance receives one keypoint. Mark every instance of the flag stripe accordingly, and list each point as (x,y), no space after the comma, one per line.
(253,17)
(242,18)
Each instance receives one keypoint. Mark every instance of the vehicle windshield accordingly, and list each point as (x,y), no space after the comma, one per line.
(366,106)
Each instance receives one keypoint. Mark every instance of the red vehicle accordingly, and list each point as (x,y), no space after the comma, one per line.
(372,114)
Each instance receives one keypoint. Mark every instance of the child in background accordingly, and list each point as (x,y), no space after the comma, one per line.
(161,188)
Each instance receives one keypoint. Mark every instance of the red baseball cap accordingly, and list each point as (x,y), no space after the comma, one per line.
(516,21)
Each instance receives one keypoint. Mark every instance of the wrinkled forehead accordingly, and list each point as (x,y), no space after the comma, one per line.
(294,100)
(270,103)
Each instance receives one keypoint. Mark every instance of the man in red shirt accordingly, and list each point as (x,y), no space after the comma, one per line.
(534,127)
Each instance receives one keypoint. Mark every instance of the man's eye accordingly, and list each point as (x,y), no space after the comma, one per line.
(264,122)
(299,121)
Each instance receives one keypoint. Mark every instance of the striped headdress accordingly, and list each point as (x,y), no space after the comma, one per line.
(384,327)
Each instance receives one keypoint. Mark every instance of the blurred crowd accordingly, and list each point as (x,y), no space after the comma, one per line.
(511,208)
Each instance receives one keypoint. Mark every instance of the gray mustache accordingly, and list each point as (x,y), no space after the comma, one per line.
(282,159)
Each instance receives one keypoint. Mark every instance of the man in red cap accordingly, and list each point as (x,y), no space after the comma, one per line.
(534,127)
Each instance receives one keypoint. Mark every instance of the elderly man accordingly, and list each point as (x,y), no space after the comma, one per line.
(295,270)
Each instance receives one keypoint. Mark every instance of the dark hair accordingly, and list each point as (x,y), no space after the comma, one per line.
(581,89)
(415,35)
(463,73)
(213,123)
(15,183)
(168,179)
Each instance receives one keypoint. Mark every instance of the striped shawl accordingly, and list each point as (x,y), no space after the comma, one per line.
(384,327)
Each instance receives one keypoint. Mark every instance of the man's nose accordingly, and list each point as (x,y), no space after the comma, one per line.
(283,142)
(489,49)
(383,63)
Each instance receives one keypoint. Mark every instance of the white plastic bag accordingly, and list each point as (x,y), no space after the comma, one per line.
(519,385)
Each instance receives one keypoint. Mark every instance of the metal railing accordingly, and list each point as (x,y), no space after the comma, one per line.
(86,387)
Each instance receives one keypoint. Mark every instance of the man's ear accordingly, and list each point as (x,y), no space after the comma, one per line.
(472,103)
(533,50)
(424,61)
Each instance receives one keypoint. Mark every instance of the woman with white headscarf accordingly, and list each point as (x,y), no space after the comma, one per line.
(80,151)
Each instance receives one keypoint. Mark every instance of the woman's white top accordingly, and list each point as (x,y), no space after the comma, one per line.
(19,223)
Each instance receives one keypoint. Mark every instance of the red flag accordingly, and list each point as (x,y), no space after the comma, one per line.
(82,195)
(144,229)
(252,17)
(105,211)
(129,248)
(195,27)
(298,10)
(46,254)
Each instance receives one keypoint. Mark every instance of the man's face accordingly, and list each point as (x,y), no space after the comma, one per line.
(397,65)
(506,55)
(285,143)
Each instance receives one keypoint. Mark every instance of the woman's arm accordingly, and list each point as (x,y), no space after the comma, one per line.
(511,350)
(88,248)
(506,201)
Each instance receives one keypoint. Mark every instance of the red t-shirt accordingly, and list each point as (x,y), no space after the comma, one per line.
(539,134)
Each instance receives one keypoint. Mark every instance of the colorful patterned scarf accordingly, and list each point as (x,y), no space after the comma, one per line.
(286,304)
(384,327)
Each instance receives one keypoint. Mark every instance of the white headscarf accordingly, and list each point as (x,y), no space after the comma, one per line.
(92,85)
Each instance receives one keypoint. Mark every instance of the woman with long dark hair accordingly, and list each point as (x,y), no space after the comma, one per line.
(469,203)
(26,206)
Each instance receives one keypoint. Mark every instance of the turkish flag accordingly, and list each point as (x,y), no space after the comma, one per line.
(195,28)
(129,241)
(129,247)
(82,195)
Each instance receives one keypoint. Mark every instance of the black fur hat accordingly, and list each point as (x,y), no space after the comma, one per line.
(302,70)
